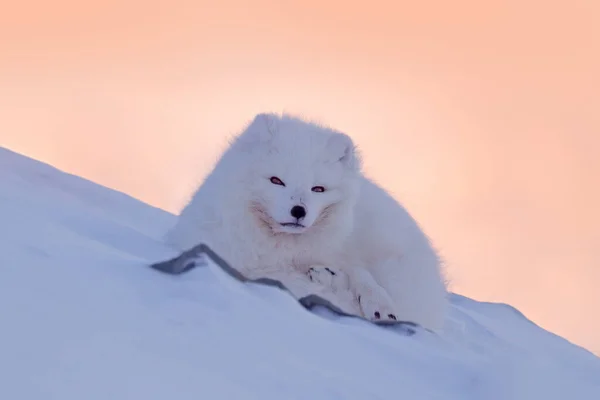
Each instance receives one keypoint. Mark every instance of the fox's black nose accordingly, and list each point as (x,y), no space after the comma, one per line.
(298,212)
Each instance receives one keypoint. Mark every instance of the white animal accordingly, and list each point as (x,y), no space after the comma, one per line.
(288,200)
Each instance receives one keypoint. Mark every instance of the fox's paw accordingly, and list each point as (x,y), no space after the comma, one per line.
(328,277)
(377,307)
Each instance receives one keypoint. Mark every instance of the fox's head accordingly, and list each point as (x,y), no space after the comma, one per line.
(300,175)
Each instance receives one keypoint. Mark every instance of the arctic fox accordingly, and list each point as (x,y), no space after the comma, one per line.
(288,200)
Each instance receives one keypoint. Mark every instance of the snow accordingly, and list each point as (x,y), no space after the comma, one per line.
(83,317)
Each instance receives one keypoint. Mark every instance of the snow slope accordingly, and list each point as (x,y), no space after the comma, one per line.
(83,317)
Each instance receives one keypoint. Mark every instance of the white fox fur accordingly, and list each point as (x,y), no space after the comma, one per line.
(351,241)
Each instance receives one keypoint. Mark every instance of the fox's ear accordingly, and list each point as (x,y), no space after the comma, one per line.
(340,148)
(262,129)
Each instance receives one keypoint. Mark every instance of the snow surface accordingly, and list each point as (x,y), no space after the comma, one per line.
(83,317)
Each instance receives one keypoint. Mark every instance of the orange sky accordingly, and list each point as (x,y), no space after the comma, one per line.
(482,117)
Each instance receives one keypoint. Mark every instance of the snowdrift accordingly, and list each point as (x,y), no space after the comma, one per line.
(84,317)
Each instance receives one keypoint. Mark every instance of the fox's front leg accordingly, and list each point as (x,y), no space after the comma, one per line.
(297,282)
(334,284)
(375,303)
(372,300)
(329,277)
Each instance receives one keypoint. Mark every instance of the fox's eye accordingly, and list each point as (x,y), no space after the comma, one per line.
(318,189)
(276,181)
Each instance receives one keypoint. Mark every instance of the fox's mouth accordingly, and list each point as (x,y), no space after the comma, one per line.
(292,228)
(269,222)
(292,225)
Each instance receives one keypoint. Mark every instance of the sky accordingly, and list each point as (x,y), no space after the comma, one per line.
(482,118)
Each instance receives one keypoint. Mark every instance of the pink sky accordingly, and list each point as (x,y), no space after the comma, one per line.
(482,117)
